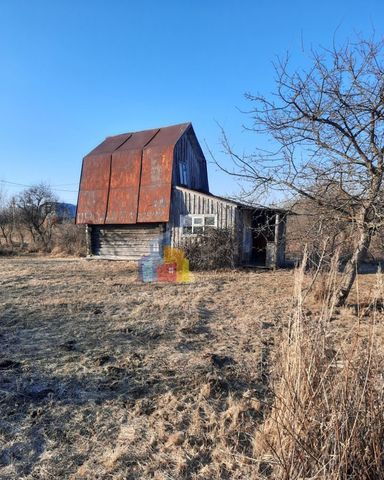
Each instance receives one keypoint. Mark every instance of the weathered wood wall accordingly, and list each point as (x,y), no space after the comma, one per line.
(245,228)
(128,242)
(189,157)
(185,201)
(281,229)
(132,242)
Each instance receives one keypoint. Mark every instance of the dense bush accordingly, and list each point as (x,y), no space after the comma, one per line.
(215,249)
(69,239)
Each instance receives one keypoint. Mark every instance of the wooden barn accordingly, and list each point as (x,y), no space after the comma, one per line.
(141,190)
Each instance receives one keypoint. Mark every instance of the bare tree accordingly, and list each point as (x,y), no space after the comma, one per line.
(327,125)
(35,206)
(7,224)
(8,215)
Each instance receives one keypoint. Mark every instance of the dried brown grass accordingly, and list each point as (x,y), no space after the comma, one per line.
(120,379)
(327,419)
(233,376)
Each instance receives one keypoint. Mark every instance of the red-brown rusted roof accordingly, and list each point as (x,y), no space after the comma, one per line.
(128,178)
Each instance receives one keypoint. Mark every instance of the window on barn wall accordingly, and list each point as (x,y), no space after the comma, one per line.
(197,224)
(183,172)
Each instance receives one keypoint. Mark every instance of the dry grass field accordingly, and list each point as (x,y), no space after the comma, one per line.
(104,377)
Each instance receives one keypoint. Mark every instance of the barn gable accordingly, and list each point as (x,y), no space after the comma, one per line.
(128,178)
(190,166)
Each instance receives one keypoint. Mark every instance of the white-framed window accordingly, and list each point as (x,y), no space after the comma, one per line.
(197,224)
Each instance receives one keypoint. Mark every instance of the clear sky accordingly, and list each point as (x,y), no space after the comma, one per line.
(76,71)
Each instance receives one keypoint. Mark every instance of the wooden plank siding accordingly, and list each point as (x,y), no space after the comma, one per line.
(230,215)
(187,152)
(281,225)
(188,202)
(128,242)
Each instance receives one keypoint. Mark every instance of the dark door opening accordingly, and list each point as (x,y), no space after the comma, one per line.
(262,233)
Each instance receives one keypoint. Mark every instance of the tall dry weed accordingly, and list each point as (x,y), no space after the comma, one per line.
(327,419)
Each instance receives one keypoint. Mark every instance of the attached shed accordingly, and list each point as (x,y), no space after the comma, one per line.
(141,190)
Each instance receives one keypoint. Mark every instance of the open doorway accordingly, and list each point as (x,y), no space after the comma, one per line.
(263,231)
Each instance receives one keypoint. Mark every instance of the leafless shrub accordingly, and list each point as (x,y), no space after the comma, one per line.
(69,239)
(6,224)
(327,420)
(215,249)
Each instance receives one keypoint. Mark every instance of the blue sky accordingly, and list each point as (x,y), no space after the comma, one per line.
(76,71)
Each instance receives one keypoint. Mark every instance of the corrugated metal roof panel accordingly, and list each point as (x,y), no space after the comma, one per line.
(94,185)
(128,178)
(169,135)
(125,178)
(138,140)
(110,144)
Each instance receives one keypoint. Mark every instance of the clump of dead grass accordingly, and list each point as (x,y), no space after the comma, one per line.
(327,419)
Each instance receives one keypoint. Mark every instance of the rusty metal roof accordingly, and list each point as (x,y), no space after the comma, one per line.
(127,179)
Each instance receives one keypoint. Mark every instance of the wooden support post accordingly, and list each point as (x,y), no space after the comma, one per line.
(277,240)
(88,241)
